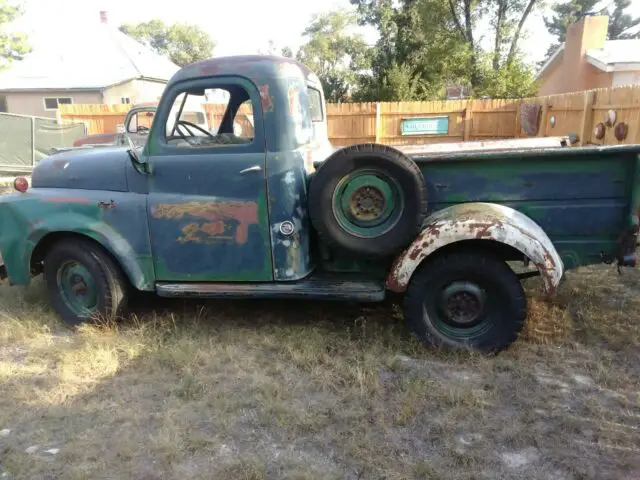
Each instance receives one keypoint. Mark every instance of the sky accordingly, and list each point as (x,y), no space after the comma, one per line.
(237,26)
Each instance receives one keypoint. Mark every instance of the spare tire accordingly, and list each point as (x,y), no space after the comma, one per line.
(368,199)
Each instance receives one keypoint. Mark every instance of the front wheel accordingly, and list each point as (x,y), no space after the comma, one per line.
(83,282)
(466,300)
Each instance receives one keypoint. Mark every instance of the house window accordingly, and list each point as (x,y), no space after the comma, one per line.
(52,103)
(125,100)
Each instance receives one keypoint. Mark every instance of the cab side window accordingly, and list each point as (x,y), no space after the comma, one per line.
(212,117)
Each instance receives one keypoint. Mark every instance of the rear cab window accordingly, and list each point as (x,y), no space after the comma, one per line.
(315,105)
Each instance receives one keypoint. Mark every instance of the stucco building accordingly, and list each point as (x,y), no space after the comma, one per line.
(95,63)
(587,60)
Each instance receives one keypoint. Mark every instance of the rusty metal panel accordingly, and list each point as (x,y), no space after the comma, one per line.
(480,221)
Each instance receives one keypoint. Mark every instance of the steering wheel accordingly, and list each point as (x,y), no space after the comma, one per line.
(186,125)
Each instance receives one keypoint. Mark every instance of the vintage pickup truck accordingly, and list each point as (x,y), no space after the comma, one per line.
(277,213)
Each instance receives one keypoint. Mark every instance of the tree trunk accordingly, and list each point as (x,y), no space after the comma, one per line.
(516,36)
(502,10)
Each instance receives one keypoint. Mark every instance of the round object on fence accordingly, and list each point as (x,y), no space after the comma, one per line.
(552,121)
(598,131)
(610,118)
(621,131)
(368,199)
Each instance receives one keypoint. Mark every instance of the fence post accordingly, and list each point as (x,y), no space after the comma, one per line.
(378,123)
(587,118)
(518,125)
(542,131)
(468,121)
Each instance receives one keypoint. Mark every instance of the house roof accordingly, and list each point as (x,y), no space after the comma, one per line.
(90,58)
(616,55)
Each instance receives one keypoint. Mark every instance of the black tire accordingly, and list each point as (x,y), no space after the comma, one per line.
(398,170)
(111,286)
(500,293)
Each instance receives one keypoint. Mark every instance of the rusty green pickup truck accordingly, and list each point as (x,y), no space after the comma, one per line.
(275,211)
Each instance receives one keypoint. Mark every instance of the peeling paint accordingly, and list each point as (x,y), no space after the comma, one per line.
(215,213)
(265,98)
(205,233)
(480,221)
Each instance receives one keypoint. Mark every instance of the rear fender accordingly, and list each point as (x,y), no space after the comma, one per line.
(479,221)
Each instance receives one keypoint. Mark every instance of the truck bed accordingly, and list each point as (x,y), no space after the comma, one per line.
(433,149)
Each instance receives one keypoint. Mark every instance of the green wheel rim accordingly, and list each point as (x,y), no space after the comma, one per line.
(462,310)
(367,204)
(77,288)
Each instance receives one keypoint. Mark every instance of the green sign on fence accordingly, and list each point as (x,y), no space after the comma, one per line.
(425,125)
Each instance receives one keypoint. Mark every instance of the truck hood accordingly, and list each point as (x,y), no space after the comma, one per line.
(95,139)
(90,169)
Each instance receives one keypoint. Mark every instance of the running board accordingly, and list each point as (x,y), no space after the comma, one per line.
(316,287)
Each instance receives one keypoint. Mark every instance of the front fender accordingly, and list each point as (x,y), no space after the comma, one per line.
(27,220)
(479,221)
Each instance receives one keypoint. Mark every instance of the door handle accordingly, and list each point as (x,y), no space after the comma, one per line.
(255,168)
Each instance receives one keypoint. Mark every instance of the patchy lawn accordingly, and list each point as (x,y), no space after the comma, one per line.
(257,390)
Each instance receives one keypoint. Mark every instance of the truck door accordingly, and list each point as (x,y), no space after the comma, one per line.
(207,201)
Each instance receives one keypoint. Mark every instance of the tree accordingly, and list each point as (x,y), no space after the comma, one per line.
(426,45)
(287,52)
(13,46)
(416,54)
(334,54)
(621,25)
(181,42)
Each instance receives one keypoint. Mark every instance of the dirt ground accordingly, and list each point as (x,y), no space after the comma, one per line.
(296,390)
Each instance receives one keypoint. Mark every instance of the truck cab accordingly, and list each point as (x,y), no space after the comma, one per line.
(261,205)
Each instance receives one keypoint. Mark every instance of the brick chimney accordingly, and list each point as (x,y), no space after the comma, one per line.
(104,17)
(587,33)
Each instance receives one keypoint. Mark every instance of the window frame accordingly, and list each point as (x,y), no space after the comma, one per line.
(159,140)
(322,112)
(135,115)
(57,99)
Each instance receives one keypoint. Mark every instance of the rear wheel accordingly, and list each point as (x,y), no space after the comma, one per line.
(466,300)
(83,282)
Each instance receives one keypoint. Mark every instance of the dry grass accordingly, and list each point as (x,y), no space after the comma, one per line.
(261,390)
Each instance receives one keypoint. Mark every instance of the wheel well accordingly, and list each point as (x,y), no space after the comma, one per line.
(46,242)
(501,250)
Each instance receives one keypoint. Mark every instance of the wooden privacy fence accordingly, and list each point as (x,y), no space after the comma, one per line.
(97,118)
(579,113)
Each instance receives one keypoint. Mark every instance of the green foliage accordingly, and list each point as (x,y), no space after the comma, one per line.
(13,46)
(511,80)
(426,45)
(182,43)
(333,53)
(622,25)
